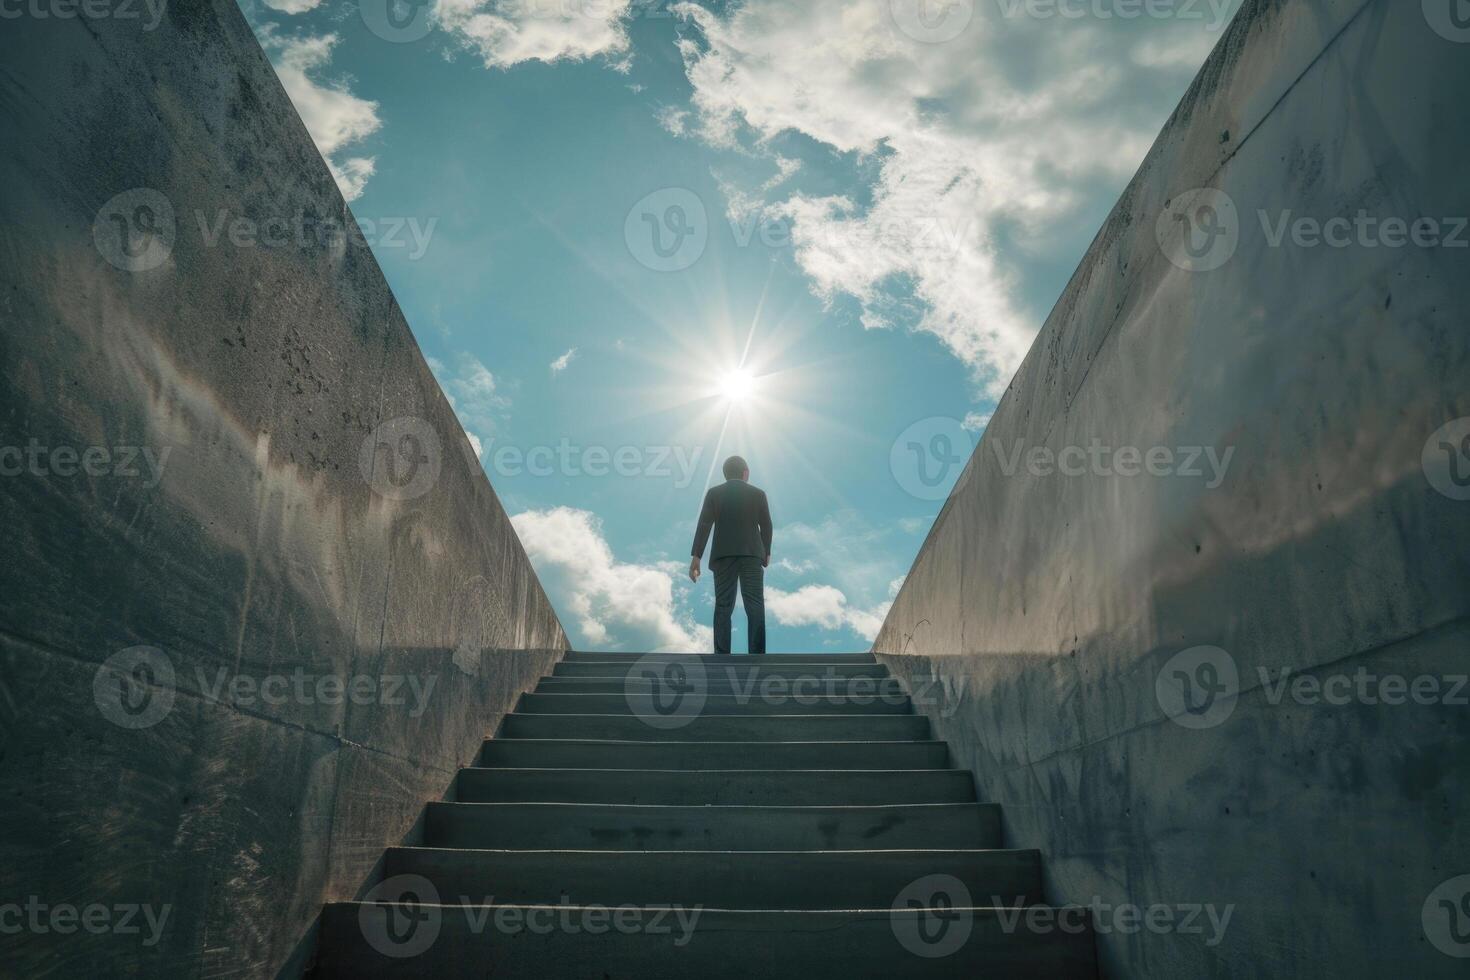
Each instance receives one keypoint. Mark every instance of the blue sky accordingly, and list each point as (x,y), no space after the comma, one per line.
(595,213)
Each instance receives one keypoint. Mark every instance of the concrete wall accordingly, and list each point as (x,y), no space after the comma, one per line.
(1052,606)
(272,543)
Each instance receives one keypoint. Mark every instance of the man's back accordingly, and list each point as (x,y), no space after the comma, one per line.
(741,518)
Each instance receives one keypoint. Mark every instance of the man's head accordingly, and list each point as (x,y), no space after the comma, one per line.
(736,469)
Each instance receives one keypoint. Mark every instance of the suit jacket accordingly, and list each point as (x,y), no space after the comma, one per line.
(741,518)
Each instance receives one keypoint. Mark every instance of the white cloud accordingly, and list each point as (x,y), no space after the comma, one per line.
(825,607)
(618,604)
(506,34)
(998,131)
(673,119)
(476,445)
(976,421)
(335,117)
(560,364)
(293,6)
(797,567)
(474,394)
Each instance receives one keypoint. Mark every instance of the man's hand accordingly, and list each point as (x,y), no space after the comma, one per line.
(694,570)
(766,562)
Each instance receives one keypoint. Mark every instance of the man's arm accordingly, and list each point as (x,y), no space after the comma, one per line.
(707,515)
(767,532)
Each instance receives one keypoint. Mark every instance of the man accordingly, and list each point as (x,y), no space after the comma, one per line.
(741,519)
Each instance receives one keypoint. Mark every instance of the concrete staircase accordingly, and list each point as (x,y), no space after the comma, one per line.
(674,816)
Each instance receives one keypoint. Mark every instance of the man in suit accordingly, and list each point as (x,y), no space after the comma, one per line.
(741,518)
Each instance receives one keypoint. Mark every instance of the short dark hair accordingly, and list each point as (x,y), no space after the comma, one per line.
(735,468)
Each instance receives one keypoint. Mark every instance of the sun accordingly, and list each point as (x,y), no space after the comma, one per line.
(736,386)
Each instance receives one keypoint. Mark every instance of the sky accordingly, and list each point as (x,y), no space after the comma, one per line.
(633,237)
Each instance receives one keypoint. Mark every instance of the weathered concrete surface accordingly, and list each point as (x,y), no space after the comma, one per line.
(1049,605)
(606,827)
(262,547)
(591,754)
(809,880)
(716,787)
(720,944)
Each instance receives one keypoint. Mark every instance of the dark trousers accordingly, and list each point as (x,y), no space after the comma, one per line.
(750,575)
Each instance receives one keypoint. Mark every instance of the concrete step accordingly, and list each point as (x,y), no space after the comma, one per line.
(713,879)
(719,728)
(855,687)
(646,703)
(602,827)
(735,669)
(568,753)
(412,941)
(754,787)
(709,658)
